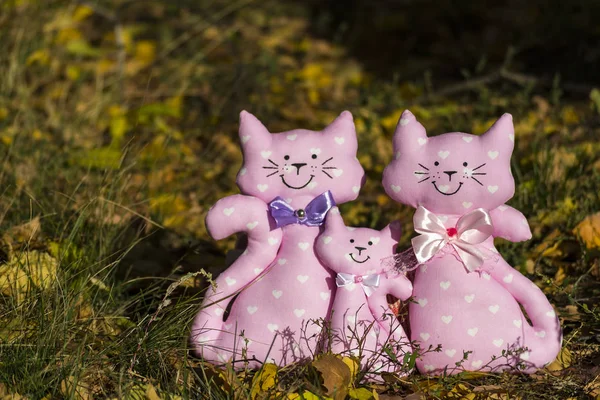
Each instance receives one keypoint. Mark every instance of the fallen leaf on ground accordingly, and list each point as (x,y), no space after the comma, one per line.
(589,231)
(336,375)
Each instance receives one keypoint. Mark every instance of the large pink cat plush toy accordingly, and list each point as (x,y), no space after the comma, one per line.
(466,296)
(362,323)
(289,181)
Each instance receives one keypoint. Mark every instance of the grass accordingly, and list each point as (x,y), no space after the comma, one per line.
(117,133)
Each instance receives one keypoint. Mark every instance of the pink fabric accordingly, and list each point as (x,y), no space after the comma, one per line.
(474,316)
(362,322)
(286,289)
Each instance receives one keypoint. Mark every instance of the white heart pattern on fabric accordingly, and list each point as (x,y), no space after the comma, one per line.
(443,154)
(252,309)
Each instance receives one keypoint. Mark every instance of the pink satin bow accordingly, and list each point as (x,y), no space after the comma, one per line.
(471,230)
(368,282)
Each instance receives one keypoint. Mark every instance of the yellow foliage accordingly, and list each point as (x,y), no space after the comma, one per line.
(41,57)
(145,51)
(390,122)
(68,34)
(105,66)
(569,115)
(589,231)
(562,361)
(336,375)
(316,76)
(25,271)
(353,365)
(264,380)
(73,72)
(81,13)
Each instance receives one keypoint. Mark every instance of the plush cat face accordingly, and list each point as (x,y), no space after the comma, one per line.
(452,173)
(300,162)
(355,250)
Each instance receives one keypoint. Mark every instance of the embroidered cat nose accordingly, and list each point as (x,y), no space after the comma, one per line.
(298,166)
(449,173)
(360,249)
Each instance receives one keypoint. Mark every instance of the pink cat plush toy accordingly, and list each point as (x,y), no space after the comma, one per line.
(289,181)
(466,296)
(362,323)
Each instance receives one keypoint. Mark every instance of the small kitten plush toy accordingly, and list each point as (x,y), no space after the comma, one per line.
(289,181)
(466,296)
(362,323)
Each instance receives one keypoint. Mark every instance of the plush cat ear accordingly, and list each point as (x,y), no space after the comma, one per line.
(334,220)
(253,134)
(499,140)
(410,135)
(343,132)
(393,230)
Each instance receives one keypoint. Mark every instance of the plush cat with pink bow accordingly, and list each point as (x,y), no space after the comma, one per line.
(279,288)
(362,323)
(466,297)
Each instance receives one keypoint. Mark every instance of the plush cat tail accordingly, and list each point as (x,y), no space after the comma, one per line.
(254,136)
(500,137)
(410,135)
(343,131)
(239,213)
(545,339)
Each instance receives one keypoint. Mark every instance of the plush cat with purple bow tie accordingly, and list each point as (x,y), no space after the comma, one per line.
(362,323)
(277,288)
(467,298)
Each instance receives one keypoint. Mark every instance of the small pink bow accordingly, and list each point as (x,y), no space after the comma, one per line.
(471,230)
(368,282)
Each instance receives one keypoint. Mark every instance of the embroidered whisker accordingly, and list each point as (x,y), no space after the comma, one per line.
(475,179)
(329,167)
(272,162)
(423,180)
(327,174)
(270,168)
(475,169)
(424,167)
(326,161)
(273,173)
(479,173)
(421,173)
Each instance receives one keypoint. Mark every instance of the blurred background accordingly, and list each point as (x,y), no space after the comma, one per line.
(118,131)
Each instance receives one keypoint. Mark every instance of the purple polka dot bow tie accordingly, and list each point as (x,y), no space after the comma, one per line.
(312,215)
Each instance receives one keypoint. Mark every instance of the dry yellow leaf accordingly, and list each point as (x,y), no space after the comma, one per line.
(151,392)
(26,270)
(589,231)
(353,365)
(562,361)
(264,380)
(336,375)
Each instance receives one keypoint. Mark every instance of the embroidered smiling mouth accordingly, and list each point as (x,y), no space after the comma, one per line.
(296,187)
(360,262)
(447,194)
